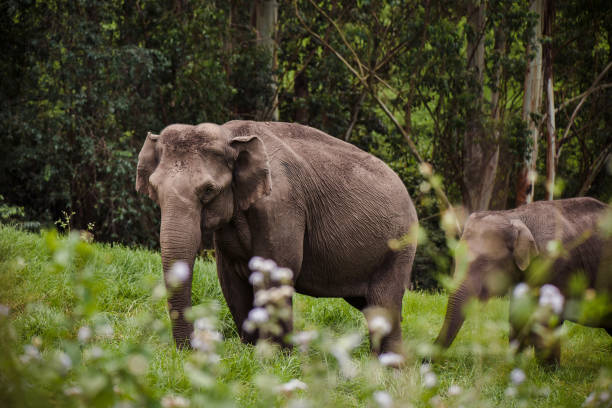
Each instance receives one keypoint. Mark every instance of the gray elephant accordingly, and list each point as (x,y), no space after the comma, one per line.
(502,244)
(287,192)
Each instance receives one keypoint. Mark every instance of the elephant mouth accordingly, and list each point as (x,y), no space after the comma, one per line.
(210,222)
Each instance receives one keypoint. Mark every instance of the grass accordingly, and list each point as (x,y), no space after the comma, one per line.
(48,305)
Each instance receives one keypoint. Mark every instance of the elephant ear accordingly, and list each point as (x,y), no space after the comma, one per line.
(525,247)
(147,162)
(251,170)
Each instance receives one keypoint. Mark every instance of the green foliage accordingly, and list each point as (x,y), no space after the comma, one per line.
(84,81)
(86,325)
(9,212)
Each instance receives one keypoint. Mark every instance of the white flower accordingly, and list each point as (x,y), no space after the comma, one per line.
(267,266)
(348,342)
(425,368)
(106,330)
(391,359)
(4,310)
(517,376)
(454,390)
(174,401)
(84,334)
(256,278)
(303,339)
(262,297)
(379,325)
(280,293)
(255,263)
(258,315)
(604,396)
(283,275)
(206,340)
(520,290)
(30,353)
(430,380)
(551,296)
(341,350)
(65,361)
(589,399)
(383,399)
(293,385)
(179,273)
(204,323)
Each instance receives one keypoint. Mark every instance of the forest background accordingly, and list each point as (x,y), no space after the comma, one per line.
(490,93)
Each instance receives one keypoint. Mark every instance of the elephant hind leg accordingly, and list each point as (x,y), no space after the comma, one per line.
(386,291)
(358,302)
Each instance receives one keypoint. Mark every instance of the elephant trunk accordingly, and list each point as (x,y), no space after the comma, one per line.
(455,315)
(179,237)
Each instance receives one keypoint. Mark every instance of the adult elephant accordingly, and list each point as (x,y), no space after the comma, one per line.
(287,192)
(502,244)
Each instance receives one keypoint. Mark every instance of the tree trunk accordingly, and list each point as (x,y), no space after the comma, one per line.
(266,17)
(481,152)
(550,101)
(531,104)
(499,196)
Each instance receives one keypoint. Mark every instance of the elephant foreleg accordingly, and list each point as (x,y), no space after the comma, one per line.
(238,294)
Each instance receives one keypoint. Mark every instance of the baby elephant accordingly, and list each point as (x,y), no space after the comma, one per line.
(502,244)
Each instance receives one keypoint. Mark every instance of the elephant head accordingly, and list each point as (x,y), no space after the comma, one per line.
(495,251)
(199,175)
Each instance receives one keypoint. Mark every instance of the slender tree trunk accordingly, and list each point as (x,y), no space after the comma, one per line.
(266,18)
(531,104)
(499,197)
(481,152)
(550,101)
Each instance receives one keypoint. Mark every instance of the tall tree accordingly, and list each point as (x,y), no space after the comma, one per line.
(532,96)
(480,148)
(551,149)
(266,21)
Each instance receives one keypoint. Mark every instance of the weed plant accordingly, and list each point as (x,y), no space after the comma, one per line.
(86,325)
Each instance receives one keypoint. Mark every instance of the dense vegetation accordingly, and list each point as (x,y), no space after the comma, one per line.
(83,81)
(86,326)
(451,84)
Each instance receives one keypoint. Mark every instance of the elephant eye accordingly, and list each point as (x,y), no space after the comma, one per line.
(207,191)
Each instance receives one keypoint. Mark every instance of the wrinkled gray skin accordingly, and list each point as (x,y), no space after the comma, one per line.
(286,192)
(501,245)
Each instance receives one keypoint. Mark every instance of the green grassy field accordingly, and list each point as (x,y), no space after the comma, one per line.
(54,286)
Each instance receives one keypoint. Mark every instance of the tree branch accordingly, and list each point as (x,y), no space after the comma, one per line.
(363,79)
(595,168)
(344,40)
(571,120)
(348,132)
